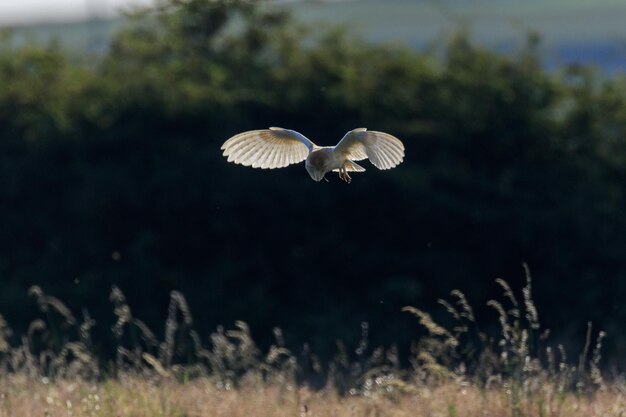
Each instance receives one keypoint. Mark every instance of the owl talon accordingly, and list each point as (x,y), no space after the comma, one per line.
(343,174)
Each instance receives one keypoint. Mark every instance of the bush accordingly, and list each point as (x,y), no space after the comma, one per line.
(112,175)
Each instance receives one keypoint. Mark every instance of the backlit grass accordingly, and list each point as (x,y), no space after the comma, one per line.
(457,370)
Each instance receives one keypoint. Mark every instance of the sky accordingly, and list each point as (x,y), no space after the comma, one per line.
(21,12)
(410,21)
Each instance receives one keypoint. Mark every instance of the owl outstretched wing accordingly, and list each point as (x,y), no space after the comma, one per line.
(382,149)
(268,148)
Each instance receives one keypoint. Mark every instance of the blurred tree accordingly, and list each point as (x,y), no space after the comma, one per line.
(111,173)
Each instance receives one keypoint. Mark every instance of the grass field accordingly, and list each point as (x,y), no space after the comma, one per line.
(132,395)
(454,370)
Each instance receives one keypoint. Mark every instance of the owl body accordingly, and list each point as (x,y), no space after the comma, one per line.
(277,147)
(321,161)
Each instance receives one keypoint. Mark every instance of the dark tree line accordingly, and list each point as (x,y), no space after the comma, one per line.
(111,174)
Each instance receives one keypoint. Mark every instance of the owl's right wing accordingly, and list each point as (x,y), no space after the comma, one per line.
(268,148)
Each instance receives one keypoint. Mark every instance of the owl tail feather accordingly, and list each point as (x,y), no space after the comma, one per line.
(352,166)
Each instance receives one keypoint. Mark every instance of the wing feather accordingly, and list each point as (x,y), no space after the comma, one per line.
(382,149)
(391,152)
(269,160)
(250,151)
(282,160)
(239,144)
(257,159)
(268,148)
(384,157)
(241,153)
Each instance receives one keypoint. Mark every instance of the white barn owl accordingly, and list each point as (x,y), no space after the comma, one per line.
(277,147)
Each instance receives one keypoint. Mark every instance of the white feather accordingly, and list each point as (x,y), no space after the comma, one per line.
(383,150)
(269,148)
(277,147)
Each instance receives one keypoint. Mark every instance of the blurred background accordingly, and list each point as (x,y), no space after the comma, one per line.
(513,116)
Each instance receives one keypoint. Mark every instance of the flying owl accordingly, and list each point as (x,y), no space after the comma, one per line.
(277,147)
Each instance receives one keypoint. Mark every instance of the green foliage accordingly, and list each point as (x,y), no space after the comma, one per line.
(111,174)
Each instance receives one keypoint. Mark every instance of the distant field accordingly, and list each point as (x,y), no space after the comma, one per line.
(78,37)
(490,20)
(572,30)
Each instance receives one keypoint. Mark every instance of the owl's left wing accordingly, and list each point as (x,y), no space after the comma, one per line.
(382,149)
